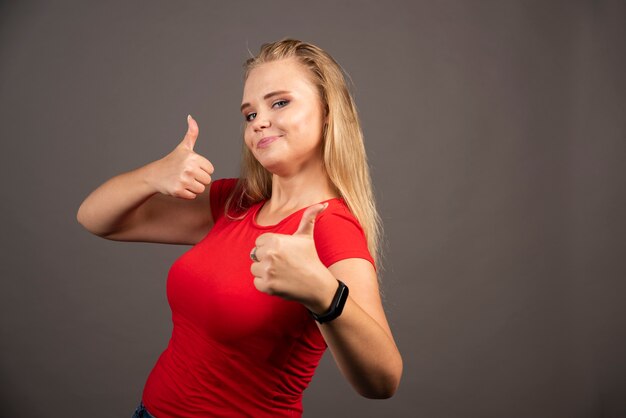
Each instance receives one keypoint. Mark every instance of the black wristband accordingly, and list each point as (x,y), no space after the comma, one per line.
(336,306)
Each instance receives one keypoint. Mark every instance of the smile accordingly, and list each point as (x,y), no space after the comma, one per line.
(265,142)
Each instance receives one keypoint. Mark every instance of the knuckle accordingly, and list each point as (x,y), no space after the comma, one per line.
(270,271)
(259,240)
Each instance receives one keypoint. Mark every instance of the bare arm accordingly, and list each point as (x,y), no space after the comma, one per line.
(165,201)
(360,339)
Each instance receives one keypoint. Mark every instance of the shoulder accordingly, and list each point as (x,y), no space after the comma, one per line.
(223,186)
(220,192)
(338,235)
(337,214)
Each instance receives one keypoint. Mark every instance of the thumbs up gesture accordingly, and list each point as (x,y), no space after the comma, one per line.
(288,265)
(183,173)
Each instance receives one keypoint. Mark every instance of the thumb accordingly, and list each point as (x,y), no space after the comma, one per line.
(308,219)
(192,133)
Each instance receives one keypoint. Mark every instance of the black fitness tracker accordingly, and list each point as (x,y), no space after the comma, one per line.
(336,306)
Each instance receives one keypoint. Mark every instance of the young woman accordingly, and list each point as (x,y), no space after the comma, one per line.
(283,262)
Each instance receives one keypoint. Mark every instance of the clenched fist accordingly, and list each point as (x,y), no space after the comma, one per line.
(183,173)
(288,265)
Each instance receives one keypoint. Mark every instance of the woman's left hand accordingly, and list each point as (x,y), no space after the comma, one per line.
(288,265)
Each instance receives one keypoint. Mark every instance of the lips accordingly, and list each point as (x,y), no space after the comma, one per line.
(265,142)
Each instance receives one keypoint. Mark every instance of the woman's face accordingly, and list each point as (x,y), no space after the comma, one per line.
(283,117)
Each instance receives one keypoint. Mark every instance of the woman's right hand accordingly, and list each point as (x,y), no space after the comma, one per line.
(182,173)
(164,201)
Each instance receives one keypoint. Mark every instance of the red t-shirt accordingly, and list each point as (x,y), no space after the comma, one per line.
(235,351)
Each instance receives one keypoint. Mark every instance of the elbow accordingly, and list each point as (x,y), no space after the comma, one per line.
(79,214)
(380,394)
(384,390)
(385,386)
(80,218)
(83,221)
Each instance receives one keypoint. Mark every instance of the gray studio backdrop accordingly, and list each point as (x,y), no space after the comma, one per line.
(496,135)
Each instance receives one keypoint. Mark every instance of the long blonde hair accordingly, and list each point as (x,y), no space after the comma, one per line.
(344,157)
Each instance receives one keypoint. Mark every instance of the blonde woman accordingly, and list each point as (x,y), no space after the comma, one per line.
(284,258)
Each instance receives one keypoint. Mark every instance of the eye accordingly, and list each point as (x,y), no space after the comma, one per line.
(281,103)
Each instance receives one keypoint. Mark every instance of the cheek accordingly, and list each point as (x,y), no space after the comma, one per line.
(304,124)
(247,136)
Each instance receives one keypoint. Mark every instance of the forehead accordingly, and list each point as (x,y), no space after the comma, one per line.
(286,74)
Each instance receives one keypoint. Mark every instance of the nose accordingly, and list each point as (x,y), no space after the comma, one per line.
(261,122)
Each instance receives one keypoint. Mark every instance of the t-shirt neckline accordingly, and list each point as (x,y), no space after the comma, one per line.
(260,204)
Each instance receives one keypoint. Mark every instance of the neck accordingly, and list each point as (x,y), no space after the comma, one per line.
(307,187)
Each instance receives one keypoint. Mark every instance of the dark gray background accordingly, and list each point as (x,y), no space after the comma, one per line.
(496,133)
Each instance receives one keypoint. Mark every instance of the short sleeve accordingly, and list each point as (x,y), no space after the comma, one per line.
(338,235)
(218,195)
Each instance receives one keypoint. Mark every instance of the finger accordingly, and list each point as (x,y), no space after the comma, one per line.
(260,284)
(202,176)
(185,194)
(308,219)
(253,256)
(206,164)
(189,140)
(262,239)
(263,285)
(196,187)
(257,270)
(261,253)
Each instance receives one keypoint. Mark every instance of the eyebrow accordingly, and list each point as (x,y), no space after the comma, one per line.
(267,96)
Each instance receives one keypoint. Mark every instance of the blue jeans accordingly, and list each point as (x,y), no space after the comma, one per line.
(141,412)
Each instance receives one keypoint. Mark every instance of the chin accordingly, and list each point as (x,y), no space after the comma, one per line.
(277,167)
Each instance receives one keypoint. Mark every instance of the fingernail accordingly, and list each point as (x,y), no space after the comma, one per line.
(188,118)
